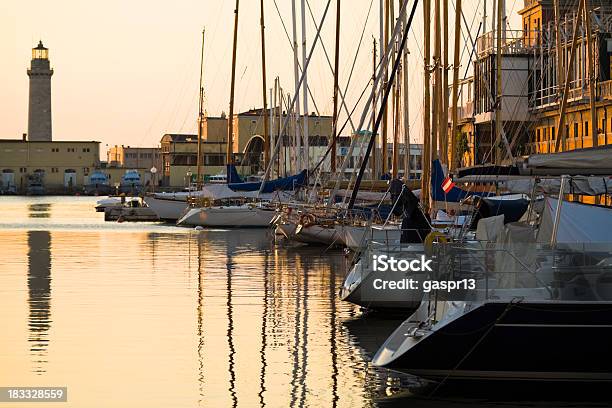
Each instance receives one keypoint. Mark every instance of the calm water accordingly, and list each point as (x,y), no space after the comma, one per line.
(152,315)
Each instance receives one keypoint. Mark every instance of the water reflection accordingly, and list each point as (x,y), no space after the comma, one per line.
(170,317)
(230,328)
(39,296)
(39,210)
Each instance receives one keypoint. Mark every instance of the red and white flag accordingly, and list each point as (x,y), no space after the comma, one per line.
(447,185)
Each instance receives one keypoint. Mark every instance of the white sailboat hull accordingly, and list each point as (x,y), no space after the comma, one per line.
(317,234)
(166,208)
(243,216)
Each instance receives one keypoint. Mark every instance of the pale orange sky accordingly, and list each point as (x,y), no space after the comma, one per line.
(126,72)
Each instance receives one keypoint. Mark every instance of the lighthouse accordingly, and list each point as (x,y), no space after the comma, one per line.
(39,112)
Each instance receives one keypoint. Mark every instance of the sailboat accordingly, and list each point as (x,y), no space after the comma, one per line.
(540,309)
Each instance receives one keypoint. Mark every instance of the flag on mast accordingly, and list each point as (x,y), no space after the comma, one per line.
(447,185)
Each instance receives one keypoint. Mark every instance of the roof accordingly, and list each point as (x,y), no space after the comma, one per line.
(184,138)
(259,112)
(40,46)
(47,141)
(179,138)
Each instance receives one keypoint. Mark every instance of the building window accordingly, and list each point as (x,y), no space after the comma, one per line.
(54,170)
(22,169)
(86,171)
(71,150)
(538,135)
(603,126)
(86,150)
(552,133)
(586,129)
(55,149)
(575,130)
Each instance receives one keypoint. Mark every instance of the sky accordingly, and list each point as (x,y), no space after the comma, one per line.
(126,72)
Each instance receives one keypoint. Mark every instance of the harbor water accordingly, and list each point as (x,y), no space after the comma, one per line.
(153,315)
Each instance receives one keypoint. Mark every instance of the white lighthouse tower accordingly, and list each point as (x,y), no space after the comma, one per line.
(39,112)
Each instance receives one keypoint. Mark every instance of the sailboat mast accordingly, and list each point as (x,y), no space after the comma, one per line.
(426,155)
(498,83)
(373,158)
(558,48)
(444,87)
(230,119)
(454,159)
(305,89)
(385,79)
(561,137)
(266,134)
(406,104)
(335,114)
(435,126)
(591,72)
(200,118)
(384,100)
(395,114)
(296,76)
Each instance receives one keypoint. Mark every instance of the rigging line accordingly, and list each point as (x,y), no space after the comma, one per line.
(342,128)
(385,59)
(354,59)
(383,102)
(465,74)
(285,122)
(348,81)
(312,98)
(343,102)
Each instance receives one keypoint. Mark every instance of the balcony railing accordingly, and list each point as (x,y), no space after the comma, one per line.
(513,42)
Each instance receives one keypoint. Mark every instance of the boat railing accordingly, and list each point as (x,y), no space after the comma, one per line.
(540,272)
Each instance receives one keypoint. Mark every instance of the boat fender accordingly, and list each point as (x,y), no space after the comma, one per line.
(433,236)
(306,220)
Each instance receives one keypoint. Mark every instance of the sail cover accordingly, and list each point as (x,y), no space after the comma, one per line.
(286,183)
(577,185)
(578,223)
(593,160)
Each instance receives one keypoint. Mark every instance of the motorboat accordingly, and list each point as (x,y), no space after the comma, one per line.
(35,184)
(98,184)
(130,183)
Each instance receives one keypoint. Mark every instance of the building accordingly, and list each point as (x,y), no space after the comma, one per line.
(64,166)
(361,142)
(214,128)
(179,157)
(179,151)
(134,157)
(39,111)
(533,82)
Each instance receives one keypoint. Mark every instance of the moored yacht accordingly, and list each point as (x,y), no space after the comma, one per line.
(229,214)
(541,308)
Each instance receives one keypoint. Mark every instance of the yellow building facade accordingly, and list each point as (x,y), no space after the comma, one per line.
(63,164)
(533,83)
